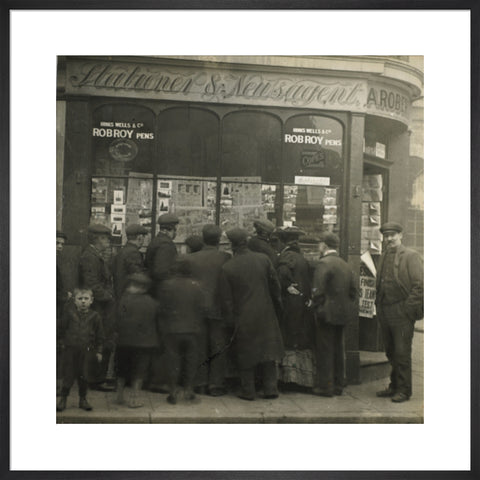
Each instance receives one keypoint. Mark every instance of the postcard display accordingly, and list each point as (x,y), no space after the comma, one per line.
(371,243)
(119,202)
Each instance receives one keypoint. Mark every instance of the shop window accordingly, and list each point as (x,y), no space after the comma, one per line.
(251,146)
(187,142)
(122,139)
(313,147)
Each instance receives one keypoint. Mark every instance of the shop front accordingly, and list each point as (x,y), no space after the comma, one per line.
(230,143)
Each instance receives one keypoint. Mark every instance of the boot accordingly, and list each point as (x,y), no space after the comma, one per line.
(120,389)
(134,401)
(84,405)
(62,404)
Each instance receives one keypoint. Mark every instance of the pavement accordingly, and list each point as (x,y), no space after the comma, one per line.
(358,404)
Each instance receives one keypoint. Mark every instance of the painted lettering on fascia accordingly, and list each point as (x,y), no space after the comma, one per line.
(138,78)
(298,93)
(387,100)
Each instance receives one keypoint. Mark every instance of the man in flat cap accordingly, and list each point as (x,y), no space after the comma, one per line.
(399,304)
(334,296)
(95,274)
(206,266)
(162,251)
(159,259)
(129,259)
(260,242)
(250,292)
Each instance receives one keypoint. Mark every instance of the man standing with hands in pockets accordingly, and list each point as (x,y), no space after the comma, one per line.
(399,304)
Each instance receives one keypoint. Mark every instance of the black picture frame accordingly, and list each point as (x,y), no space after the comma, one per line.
(7,7)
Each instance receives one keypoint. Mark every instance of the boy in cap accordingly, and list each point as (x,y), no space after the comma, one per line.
(137,336)
(95,274)
(182,309)
(260,242)
(250,292)
(79,331)
(334,296)
(129,259)
(206,266)
(399,304)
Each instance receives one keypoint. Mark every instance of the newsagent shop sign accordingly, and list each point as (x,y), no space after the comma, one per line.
(136,80)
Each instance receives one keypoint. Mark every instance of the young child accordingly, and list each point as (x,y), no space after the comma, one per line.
(181,317)
(79,331)
(137,336)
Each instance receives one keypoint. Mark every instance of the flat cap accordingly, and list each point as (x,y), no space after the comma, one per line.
(167,219)
(136,229)
(60,234)
(140,278)
(98,229)
(237,235)
(391,227)
(289,232)
(330,239)
(211,233)
(194,243)
(264,225)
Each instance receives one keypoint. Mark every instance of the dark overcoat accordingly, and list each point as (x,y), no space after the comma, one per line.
(206,266)
(137,321)
(181,306)
(128,260)
(249,290)
(261,245)
(292,268)
(94,273)
(334,291)
(160,256)
(76,329)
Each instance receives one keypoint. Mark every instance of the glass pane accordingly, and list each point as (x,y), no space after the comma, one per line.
(191,199)
(244,200)
(313,209)
(188,142)
(313,146)
(119,202)
(251,144)
(122,139)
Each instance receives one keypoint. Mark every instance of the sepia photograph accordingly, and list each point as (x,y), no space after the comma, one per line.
(303,305)
(247,245)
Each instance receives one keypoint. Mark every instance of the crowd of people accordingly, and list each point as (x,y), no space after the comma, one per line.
(211,321)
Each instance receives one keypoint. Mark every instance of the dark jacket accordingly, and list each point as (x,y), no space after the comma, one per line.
(160,256)
(334,291)
(137,321)
(292,268)
(250,290)
(128,260)
(408,273)
(206,266)
(76,329)
(182,306)
(261,245)
(95,274)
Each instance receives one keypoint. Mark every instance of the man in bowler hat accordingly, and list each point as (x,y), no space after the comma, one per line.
(399,304)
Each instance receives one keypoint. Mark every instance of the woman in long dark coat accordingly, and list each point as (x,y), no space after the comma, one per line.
(296,322)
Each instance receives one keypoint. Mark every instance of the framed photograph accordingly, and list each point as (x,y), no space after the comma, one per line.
(224,94)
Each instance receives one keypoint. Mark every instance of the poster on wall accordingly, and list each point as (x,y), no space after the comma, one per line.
(367,286)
